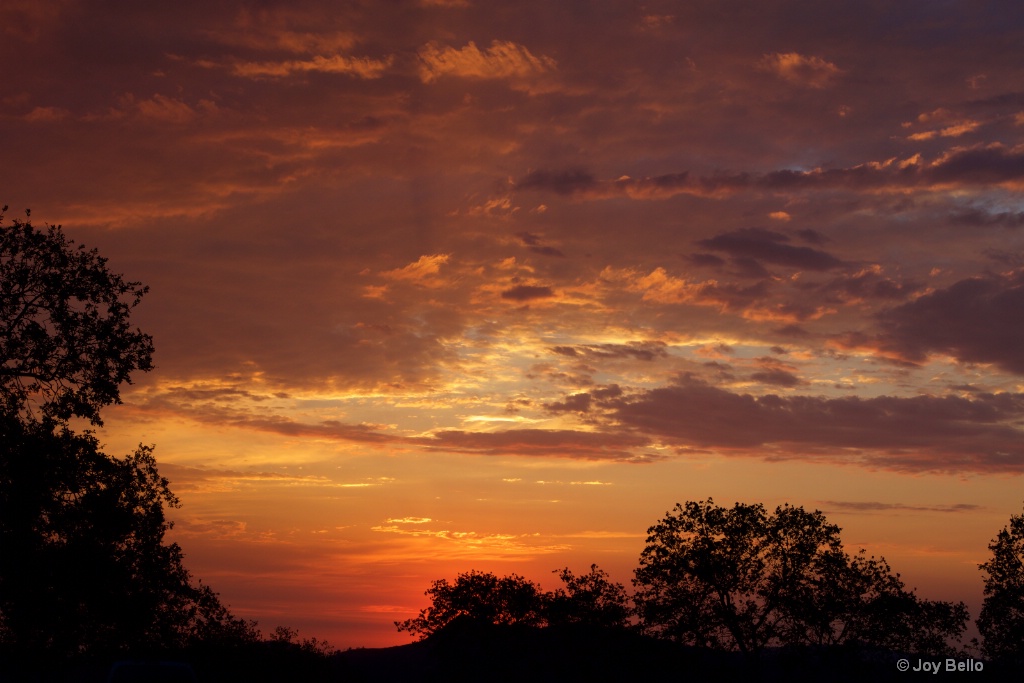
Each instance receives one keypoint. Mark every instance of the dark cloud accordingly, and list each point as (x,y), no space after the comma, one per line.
(705,260)
(765,245)
(977,320)
(559,182)
(582,402)
(644,350)
(573,403)
(779,378)
(868,284)
(979,218)
(527,293)
(921,433)
(812,236)
(749,268)
(607,392)
(866,506)
(209,407)
(1013,259)
(548,251)
(978,166)
(792,331)
(558,443)
(533,243)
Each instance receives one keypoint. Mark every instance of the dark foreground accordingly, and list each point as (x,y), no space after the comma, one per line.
(470,652)
(579,653)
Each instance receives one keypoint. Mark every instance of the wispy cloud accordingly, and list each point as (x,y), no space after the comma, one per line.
(503,59)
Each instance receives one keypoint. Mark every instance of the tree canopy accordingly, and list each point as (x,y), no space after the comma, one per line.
(1001,621)
(481,597)
(484,598)
(84,565)
(744,579)
(590,598)
(66,340)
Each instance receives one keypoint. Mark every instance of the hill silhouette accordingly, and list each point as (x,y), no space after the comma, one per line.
(468,650)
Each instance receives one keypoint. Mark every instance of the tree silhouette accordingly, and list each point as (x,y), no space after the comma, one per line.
(859,599)
(589,598)
(83,562)
(66,342)
(1001,621)
(480,597)
(84,565)
(744,579)
(483,598)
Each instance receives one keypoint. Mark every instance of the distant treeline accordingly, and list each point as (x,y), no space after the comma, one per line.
(747,581)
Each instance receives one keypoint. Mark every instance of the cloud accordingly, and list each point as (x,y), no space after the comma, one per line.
(559,182)
(533,243)
(955,130)
(976,320)
(776,377)
(213,480)
(979,166)
(811,71)
(573,403)
(422,271)
(868,284)
(764,245)
(869,506)
(527,293)
(362,67)
(660,287)
(167,109)
(503,59)
(640,350)
(812,236)
(47,114)
(233,407)
(473,543)
(268,38)
(558,443)
(920,433)
(582,402)
(705,260)
(981,218)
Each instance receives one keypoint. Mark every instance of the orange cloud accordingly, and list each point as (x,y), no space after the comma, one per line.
(503,59)
(167,109)
(421,272)
(813,72)
(47,114)
(363,67)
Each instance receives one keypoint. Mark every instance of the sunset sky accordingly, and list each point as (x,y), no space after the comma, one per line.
(453,284)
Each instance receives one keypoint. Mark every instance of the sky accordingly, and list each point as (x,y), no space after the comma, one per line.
(444,285)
